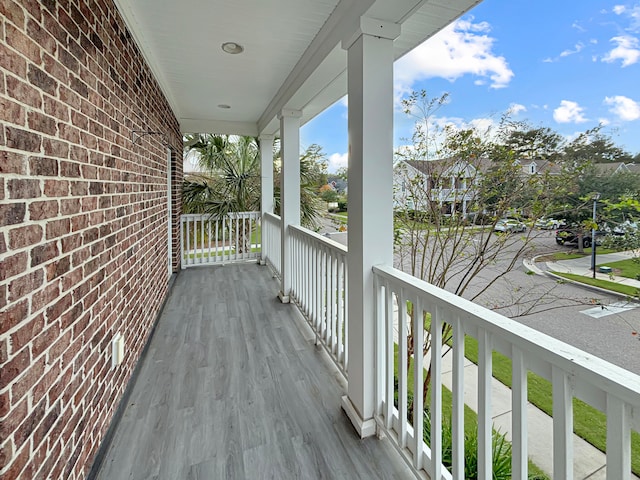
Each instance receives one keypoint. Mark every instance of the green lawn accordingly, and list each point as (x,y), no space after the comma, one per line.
(607,285)
(625,268)
(589,423)
(573,254)
(470,417)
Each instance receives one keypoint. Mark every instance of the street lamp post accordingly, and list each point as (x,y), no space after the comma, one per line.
(596,197)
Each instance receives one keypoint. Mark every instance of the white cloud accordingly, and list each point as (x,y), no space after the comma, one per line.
(632,13)
(624,107)
(569,112)
(337,160)
(604,121)
(462,48)
(619,9)
(578,27)
(577,49)
(516,108)
(627,50)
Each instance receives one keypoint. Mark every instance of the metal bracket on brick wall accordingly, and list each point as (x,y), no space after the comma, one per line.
(138,134)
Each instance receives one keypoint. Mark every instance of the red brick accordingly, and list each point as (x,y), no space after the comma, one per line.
(19,467)
(13,315)
(42,80)
(23,140)
(12,112)
(42,37)
(56,310)
(57,389)
(12,12)
(3,298)
(42,123)
(23,92)
(11,214)
(58,228)
(12,61)
(24,236)
(28,379)
(56,188)
(6,452)
(24,188)
(43,253)
(55,148)
(25,284)
(44,209)
(23,44)
(46,424)
(13,265)
(5,404)
(46,382)
(79,188)
(25,429)
(21,337)
(57,268)
(12,162)
(56,109)
(69,169)
(15,367)
(44,297)
(46,338)
(70,206)
(4,351)
(43,166)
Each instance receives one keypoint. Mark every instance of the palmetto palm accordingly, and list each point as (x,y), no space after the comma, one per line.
(230,181)
(231,178)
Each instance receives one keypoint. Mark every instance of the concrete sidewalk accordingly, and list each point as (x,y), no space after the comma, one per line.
(582,267)
(589,462)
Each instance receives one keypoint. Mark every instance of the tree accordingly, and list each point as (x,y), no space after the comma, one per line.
(231,181)
(313,174)
(595,147)
(477,180)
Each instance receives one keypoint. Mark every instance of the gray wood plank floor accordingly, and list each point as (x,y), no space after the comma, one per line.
(233,387)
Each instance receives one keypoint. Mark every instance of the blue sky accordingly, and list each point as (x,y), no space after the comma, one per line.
(564,64)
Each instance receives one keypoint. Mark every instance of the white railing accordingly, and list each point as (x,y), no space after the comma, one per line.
(271,242)
(206,240)
(572,373)
(319,288)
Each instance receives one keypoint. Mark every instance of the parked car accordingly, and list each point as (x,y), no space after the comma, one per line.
(546,223)
(509,225)
(569,235)
(625,227)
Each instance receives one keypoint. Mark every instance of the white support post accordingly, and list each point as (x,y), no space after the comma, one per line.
(289,192)
(370,90)
(266,173)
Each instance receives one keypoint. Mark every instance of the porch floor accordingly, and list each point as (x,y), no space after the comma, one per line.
(233,387)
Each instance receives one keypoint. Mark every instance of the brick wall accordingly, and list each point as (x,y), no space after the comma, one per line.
(83,226)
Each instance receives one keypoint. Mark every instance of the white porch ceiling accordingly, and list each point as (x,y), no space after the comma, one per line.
(292,53)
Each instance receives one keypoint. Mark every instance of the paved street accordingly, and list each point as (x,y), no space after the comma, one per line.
(561,310)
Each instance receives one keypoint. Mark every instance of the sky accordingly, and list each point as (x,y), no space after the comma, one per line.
(568,65)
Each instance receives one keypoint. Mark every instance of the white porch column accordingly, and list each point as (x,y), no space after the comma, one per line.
(289,191)
(266,172)
(266,183)
(370,89)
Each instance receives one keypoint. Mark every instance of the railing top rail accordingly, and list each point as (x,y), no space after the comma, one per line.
(319,238)
(198,216)
(598,372)
(271,216)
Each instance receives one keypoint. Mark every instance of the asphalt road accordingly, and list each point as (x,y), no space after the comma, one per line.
(551,307)
(557,308)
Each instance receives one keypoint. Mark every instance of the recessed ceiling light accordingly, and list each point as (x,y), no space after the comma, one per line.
(224,105)
(232,48)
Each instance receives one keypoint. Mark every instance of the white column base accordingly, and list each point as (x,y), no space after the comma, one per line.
(284,298)
(365,428)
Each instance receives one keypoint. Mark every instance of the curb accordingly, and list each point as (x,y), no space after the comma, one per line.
(530,264)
